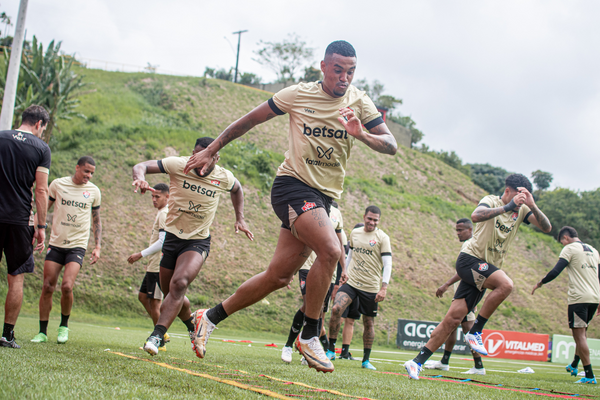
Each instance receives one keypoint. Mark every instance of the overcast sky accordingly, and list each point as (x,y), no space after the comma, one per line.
(510,83)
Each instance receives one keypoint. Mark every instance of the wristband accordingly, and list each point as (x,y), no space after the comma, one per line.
(510,206)
(42,226)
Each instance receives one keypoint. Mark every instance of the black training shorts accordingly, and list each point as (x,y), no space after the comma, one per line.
(366,304)
(352,310)
(473,272)
(151,286)
(581,314)
(173,247)
(328,298)
(302,274)
(15,243)
(63,256)
(338,272)
(291,198)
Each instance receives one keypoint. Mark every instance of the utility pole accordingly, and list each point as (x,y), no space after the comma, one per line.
(12,77)
(237,59)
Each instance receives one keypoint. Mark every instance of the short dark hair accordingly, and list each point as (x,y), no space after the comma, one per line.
(204,142)
(335,204)
(567,230)
(86,160)
(359,225)
(340,47)
(465,221)
(515,181)
(161,187)
(373,209)
(33,114)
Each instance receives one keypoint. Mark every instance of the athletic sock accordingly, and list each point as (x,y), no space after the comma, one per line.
(588,371)
(8,331)
(189,325)
(366,355)
(324,341)
(216,314)
(159,331)
(575,362)
(64,320)
(332,344)
(44,327)
(311,328)
(423,356)
(345,349)
(446,357)
(478,325)
(295,328)
(478,362)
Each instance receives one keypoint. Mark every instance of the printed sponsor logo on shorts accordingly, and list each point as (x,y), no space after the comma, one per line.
(216,182)
(483,267)
(372,242)
(86,194)
(308,206)
(302,284)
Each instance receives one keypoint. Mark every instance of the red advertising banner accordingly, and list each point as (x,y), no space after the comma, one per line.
(516,345)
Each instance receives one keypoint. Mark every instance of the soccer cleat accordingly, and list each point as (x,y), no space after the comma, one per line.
(330,354)
(152,344)
(413,369)
(167,338)
(9,343)
(368,365)
(587,380)
(348,356)
(476,342)
(191,334)
(572,370)
(303,361)
(40,338)
(163,347)
(436,365)
(475,371)
(286,354)
(63,335)
(312,350)
(202,332)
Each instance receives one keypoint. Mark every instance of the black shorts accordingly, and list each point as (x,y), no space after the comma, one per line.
(473,272)
(173,247)
(366,304)
(291,198)
(151,286)
(63,256)
(302,274)
(338,274)
(15,243)
(352,310)
(328,298)
(581,314)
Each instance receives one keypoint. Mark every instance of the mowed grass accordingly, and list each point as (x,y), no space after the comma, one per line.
(87,367)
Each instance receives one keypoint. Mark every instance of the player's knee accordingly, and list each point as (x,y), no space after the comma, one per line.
(330,255)
(66,288)
(507,286)
(48,287)
(336,311)
(142,297)
(179,286)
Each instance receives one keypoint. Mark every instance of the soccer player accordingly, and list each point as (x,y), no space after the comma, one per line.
(583,264)
(76,208)
(369,271)
(498,219)
(338,224)
(326,119)
(24,160)
(464,231)
(193,201)
(150,294)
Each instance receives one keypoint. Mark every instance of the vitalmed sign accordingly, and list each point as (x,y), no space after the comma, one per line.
(412,335)
(563,349)
(516,345)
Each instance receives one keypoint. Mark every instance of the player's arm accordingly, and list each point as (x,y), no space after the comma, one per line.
(260,114)
(385,279)
(558,268)
(97,229)
(442,289)
(237,198)
(41,205)
(379,138)
(537,217)
(139,175)
(342,260)
(483,212)
(152,249)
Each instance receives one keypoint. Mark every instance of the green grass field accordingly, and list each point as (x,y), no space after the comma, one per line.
(100,361)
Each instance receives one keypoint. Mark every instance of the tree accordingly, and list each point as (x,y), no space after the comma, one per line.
(375,92)
(284,58)
(248,78)
(312,74)
(415,134)
(542,179)
(488,177)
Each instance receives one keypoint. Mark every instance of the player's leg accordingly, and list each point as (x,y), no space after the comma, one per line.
(12,307)
(368,337)
(66,299)
(444,363)
(145,300)
(347,333)
(51,272)
(501,286)
(478,368)
(341,302)
(579,317)
(154,305)
(580,337)
(322,331)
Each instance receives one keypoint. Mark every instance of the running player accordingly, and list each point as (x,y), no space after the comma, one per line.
(369,271)
(193,202)
(76,208)
(498,220)
(338,224)
(583,264)
(326,119)
(464,231)
(150,294)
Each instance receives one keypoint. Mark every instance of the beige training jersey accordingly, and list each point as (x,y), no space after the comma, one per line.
(160,223)
(492,238)
(193,199)
(318,144)
(73,206)
(366,266)
(583,262)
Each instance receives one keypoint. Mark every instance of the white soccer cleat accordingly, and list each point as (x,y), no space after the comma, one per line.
(202,332)
(152,344)
(476,342)
(413,369)
(436,365)
(313,352)
(475,371)
(286,354)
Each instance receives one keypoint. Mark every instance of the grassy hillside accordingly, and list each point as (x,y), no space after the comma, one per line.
(134,117)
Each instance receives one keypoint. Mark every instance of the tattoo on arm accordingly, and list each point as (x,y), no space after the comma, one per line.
(484,213)
(380,139)
(542,220)
(97,227)
(244,124)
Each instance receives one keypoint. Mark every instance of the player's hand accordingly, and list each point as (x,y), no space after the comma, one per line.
(519,199)
(201,160)
(343,278)
(134,257)
(381,295)
(351,123)
(441,290)
(95,255)
(40,237)
(529,201)
(240,225)
(142,185)
(536,287)
(289,285)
